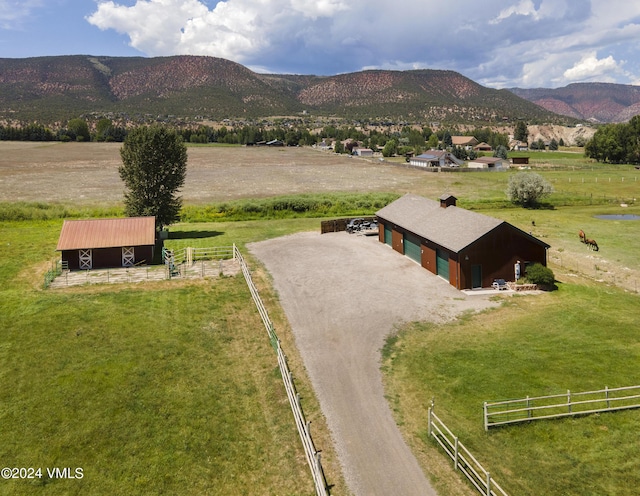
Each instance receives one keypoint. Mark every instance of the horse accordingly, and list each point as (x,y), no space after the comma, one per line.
(591,243)
(582,236)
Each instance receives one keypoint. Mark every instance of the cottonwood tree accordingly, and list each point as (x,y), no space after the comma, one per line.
(154,167)
(528,188)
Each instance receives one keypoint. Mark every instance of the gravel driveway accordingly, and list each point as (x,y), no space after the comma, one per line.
(343,295)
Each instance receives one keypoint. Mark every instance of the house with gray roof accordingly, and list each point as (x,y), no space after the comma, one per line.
(466,248)
(435,158)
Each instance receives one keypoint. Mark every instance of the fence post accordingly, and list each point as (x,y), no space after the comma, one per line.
(488,484)
(486,419)
(606,394)
(234,251)
(455,449)
(569,399)
(528,408)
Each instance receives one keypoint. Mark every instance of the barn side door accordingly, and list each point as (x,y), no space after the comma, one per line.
(476,276)
(86,259)
(128,256)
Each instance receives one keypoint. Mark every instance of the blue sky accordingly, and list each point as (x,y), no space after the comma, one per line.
(498,43)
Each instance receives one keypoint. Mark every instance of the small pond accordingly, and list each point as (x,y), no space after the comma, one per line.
(618,217)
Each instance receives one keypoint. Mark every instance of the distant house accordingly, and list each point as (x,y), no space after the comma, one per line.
(467,142)
(363,152)
(483,147)
(518,146)
(103,243)
(467,249)
(489,163)
(435,158)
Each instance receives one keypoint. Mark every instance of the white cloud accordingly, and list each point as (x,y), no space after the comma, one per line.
(524,8)
(233,29)
(590,68)
(14,13)
(529,43)
(318,8)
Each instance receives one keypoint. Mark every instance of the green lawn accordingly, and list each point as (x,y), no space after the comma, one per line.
(579,338)
(161,388)
(173,388)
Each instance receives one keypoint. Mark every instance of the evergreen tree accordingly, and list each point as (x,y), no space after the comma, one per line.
(521,133)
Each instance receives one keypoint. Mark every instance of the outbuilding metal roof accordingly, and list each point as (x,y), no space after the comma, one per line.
(453,228)
(107,233)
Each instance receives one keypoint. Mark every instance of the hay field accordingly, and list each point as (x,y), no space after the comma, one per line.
(87,173)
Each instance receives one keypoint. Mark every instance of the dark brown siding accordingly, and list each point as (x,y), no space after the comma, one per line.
(497,252)
(103,258)
(380,231)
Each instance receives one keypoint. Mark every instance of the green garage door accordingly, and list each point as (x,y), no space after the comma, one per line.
(387,235)
(412,247)
(442,264)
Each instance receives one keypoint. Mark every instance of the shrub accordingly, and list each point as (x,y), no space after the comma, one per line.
(541,275)
(527,188)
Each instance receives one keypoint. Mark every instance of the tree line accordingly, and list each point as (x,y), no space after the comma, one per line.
(407,139)
(616,143)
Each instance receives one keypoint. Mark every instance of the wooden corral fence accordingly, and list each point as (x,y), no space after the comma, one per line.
(560,405)
(339,225)
(56,270)
(178,261)
(190,255)
(312,455)
(463,460)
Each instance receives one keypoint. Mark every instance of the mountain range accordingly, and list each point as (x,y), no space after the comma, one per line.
(55,89)
(595,102)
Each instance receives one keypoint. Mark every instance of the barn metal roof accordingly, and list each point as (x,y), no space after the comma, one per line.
(453,228)
(107,233)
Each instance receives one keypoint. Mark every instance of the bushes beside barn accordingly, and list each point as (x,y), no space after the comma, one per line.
(540,275)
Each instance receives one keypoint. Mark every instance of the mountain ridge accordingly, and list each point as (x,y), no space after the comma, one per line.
(50,89)
(594,102)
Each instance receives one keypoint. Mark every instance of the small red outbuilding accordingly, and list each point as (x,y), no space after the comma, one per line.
(104,243)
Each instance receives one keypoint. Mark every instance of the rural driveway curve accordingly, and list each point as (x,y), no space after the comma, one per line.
(343,295)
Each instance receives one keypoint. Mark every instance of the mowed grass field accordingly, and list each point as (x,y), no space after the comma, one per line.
(173,388)
(160,388)
(581,337)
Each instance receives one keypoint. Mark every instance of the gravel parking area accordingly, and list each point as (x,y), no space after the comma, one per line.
(343,295)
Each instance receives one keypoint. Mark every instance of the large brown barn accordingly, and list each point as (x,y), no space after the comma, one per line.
(103,243)
(467,249)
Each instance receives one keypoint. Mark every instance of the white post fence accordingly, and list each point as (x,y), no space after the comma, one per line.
(463,460)
(560,405)
(312,455)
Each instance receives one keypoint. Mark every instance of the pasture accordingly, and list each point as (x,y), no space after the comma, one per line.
(163,388)
(172,387)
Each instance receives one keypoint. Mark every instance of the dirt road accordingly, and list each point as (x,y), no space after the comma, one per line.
(343,295)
